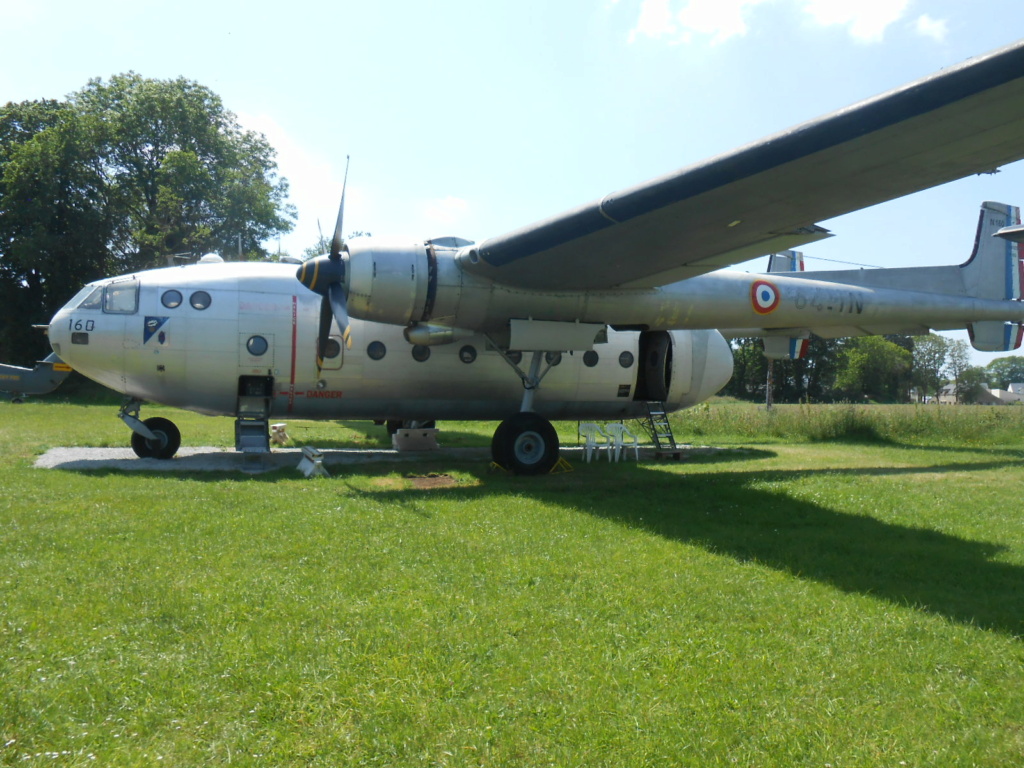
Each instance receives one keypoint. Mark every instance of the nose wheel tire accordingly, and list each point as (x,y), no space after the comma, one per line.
(525,444)
(168,440)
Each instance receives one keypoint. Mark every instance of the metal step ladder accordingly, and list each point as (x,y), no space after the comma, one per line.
(661,431)
(252,417)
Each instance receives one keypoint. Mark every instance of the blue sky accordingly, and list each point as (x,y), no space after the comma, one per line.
(472,118)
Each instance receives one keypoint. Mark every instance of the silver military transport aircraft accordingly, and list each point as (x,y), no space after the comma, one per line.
(588,315)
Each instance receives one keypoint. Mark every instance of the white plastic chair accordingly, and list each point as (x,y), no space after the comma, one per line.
(592,432)
(617,441)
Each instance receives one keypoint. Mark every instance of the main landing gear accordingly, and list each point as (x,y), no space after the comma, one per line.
(526,443)
(154,438)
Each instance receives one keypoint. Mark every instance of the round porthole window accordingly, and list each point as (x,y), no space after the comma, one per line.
(515,356)
(200,300)
(420,353)
(553,358)
(590,358)
(332,349)
(171,299)
(376,350)
(626,359)
(467,354)
(257,345)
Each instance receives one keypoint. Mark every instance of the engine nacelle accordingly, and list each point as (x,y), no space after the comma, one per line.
(388,283)
(404,283)
(682,368)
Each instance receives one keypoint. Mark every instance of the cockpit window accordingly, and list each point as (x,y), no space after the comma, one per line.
(121,298)
(93,298)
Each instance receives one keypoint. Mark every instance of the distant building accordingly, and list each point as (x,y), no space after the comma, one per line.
(1015,394)
(987,396)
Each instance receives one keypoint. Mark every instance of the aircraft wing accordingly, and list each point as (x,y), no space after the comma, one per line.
(767,196)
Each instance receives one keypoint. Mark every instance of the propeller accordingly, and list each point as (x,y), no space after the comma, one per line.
(326,275)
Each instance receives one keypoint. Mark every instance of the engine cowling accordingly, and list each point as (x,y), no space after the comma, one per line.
(388,283)
(682,368)
(404,283)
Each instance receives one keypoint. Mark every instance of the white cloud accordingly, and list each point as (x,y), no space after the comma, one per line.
(933,28)
(720,20)
(717,19)
(866,20)
(655,20)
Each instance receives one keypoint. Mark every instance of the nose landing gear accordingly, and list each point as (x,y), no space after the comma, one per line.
(154,438)
(164,444)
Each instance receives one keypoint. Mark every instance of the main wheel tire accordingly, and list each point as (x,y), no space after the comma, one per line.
(525,444)
(168,440)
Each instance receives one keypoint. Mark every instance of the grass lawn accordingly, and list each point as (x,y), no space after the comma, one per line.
(845,588)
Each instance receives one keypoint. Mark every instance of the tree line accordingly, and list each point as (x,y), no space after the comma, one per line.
(120,176)
(887,369)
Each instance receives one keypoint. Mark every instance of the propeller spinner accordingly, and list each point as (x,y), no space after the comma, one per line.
(326,275)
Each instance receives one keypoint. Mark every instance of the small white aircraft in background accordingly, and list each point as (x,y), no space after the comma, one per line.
(588,315)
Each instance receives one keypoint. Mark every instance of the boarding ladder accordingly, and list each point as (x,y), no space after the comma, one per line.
(661,431)
(252,417)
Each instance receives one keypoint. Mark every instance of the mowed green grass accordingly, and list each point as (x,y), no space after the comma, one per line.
(792,601)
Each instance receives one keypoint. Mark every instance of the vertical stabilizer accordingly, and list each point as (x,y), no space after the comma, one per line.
(994,272)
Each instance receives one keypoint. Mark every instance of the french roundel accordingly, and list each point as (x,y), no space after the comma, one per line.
(764,296)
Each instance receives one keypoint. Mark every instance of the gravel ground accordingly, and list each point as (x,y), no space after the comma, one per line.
(210,459)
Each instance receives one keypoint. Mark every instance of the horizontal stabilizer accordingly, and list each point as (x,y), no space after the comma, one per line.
(993,336)
(47,375)
(782,348)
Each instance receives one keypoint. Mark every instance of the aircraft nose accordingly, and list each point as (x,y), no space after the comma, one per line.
(59,334)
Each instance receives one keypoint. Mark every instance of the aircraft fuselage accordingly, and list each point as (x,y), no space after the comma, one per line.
(187,336)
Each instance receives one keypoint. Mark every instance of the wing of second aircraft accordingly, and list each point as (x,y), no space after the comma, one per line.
(767,196)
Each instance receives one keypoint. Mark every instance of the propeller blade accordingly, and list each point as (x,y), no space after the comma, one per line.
(325,331)
(336,295)
(339,239)
(326,275)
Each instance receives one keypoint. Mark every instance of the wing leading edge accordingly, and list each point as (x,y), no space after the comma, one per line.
(765,197)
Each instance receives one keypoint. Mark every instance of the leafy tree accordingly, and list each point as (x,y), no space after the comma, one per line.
(958,360)
(810,378)
(1004,371)
(749,370)
(929,359)
(874,367)
(183,173)
(970,384)
(53,220)
(116,179)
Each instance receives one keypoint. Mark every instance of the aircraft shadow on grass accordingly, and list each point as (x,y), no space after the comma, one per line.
(945,575)
(930,571)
